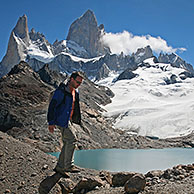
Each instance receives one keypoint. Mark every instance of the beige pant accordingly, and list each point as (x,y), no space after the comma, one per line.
(69,141)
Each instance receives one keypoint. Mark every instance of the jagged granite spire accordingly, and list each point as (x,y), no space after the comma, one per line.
(17,46)
(142,54)
(21,29)
(86,33)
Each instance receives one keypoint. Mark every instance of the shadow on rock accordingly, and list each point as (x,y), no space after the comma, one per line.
(48,183)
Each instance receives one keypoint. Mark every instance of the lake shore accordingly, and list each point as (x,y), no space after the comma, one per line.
(23,168)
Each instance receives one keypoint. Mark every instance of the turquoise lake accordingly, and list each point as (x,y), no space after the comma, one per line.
(133,160)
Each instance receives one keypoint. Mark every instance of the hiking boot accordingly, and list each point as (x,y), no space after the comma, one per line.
(73,169)
(64,174)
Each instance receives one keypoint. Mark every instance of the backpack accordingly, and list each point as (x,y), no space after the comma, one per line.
(61,86)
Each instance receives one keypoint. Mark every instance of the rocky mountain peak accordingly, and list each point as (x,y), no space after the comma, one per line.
(17,46)
(86,33)
(142,54)
(89,14)
(21,29)
(147,50)
(175,61)
(34,36)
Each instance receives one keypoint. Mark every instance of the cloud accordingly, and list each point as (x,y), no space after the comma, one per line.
(127,43)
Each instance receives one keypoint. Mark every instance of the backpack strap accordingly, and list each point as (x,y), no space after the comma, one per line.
(62,87)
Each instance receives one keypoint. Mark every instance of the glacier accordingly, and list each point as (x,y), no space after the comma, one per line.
(147,106)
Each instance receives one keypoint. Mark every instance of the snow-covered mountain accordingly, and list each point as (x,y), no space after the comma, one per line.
(158,101)
(83,50)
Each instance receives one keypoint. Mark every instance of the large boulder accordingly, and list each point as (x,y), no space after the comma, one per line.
(135,184)
(87,184)
(119,179)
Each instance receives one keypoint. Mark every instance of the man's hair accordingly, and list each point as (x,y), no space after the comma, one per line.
(77,73)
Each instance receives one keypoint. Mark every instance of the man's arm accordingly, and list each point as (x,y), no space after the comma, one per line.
(51,112)
(56,100)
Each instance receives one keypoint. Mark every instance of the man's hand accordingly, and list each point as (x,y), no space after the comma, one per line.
(51,128)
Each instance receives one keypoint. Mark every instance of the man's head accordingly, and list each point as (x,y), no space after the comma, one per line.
(76,79)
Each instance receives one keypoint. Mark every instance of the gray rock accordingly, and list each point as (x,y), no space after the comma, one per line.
(119,179)
(167,174)
(127,74)
(154,173)
(171,80)
(186,74)
(135,184)
(87,184)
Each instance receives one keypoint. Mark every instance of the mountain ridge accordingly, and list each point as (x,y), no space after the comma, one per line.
(83,41)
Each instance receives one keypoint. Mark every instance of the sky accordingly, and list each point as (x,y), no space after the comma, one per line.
(165,25)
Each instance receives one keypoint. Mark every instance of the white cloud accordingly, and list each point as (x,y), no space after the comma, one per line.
(127,43)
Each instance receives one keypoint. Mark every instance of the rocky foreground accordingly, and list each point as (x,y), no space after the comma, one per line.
(26,170)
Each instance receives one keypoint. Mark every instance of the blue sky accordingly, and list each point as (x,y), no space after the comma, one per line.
(167,24)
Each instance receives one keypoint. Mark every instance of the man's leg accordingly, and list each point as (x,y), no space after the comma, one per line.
(65,161)
(70,139)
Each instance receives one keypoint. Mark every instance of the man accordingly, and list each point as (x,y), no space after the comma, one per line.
(64,107)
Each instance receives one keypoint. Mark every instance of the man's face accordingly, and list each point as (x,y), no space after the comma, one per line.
(76,82)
